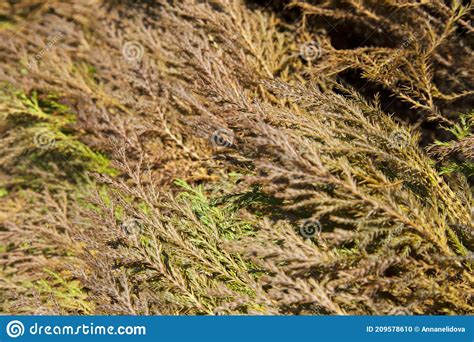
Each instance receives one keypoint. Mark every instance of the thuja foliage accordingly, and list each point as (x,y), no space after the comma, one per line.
(418,52)
(458,153)
(224,157)
(38,132)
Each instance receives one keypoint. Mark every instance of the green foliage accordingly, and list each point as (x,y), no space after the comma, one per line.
(222,220)
(44,136)
(458,153)
(57,290)
(464,128)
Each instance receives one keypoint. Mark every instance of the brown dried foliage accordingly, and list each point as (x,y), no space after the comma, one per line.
(397,236)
